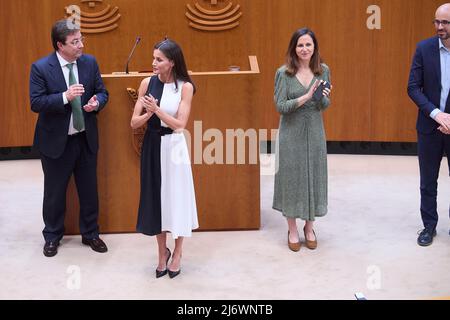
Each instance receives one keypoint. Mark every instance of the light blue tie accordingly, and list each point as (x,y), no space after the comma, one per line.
(78,120)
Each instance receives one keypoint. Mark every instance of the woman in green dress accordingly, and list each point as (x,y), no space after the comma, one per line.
(301,178)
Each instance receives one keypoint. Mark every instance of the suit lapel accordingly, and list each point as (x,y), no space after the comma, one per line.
(56,73)
(83,77)
(436,58)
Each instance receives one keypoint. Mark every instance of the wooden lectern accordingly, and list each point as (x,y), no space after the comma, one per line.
(227,194)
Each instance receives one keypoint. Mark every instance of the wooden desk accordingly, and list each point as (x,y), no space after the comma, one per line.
(228,195)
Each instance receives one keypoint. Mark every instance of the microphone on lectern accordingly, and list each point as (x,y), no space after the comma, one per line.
(138,39)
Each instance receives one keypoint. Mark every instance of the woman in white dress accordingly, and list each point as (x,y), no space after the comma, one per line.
(167,199)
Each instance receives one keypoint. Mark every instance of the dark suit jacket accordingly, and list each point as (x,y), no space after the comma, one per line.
(46,87)
(424,86)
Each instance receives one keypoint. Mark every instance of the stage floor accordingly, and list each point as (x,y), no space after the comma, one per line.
(366,243)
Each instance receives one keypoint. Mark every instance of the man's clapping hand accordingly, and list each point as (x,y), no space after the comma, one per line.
(92,104)
(74,91)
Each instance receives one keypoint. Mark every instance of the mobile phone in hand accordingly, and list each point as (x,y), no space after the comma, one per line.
(318,94)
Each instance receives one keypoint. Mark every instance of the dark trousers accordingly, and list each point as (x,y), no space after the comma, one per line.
(79,160)
(431,149)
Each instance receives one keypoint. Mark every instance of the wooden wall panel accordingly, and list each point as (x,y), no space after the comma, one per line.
(343,51)
(369,68)
(392,113)
(16,119)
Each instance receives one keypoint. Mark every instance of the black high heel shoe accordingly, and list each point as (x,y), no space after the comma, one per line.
(162,273)
(173,274)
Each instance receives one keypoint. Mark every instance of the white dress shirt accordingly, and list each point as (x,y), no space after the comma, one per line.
(66,72)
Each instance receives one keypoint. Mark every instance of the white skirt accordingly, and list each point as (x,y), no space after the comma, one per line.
(178,206)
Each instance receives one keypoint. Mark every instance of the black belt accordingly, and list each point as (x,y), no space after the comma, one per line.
(162,131)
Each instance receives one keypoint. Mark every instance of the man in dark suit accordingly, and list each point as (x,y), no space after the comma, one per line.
(67,92)
(428,87)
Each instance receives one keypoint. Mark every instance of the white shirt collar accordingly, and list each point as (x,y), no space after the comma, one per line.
(441,45)
(63,62)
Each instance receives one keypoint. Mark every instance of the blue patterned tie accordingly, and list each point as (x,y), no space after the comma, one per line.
(78,120)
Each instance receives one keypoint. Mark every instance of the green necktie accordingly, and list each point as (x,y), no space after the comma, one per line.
(78,120)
